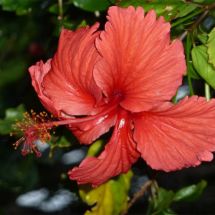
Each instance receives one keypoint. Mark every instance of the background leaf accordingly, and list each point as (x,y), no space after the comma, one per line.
(162,201)
(11,115)
(92,5)
(211,47)
(191,192)
(21,7)
(202,66)
(203,37)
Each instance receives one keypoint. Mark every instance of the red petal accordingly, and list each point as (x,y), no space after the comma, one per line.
(138,60)
(37,72)
(70,84)
(90,130)
(119,154)
(178,136)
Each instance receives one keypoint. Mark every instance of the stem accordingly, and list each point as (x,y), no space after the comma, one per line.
(60,5)
(198,21)
(188,46)
(190,84)
(154,190)
(207,92)
(210,6)
(174,101)
(138,195)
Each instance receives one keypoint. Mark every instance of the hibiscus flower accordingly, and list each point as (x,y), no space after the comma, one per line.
(124,77)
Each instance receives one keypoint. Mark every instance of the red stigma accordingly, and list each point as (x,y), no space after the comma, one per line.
(34,127)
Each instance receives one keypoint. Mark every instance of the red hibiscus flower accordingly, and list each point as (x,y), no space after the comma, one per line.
(124,77)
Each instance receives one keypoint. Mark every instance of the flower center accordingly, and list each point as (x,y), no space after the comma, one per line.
(118,95)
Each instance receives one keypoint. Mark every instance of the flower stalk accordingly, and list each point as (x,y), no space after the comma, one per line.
(207,92)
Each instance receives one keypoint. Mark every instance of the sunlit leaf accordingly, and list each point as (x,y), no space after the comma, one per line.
(11,115)
(202,66)
(211,47)
(184,10)
(95,148)
(170,9)
(120,188)
(191,192)
(109,198)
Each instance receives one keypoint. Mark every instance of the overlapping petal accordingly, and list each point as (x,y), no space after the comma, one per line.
(138,60)
(118,156)
(94,126)
(70,84)
(37,72)
(177,136)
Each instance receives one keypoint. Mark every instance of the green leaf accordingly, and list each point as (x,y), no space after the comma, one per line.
(202,66)
(184,10)
(54,9)
(162,201)
(191,192)
(92,5)
(170,9)
(203,37)
(109,198)
(82,24)
(182,22)
(211,47)
(120,188)
(11,115)
(190,70)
